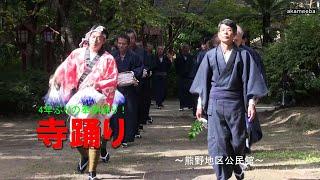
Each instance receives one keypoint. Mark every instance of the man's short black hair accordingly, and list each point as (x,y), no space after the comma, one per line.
(230,23)
(131,31)
(124,36)
(205,40)
(246,35)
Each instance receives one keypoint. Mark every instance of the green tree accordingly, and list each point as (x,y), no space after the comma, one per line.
(299,54)
(183,21)
(232,9)
(267,11)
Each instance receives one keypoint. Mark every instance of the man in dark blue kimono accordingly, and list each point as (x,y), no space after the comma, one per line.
(203,50)
(151,63)
(161,71)
(215,41)
(227,82)
(143,88)
(184,65)
(240,41)
(254,132)
(127,60)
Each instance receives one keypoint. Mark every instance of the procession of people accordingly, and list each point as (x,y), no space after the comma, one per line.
(222,82)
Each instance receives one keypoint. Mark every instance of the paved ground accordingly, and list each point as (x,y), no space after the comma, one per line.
(160,154)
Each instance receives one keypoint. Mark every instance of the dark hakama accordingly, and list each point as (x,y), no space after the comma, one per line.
(257,58)
(253,128)
(200,56)
(160,79)
(184,69)
(144,90)
(130,62)
(224,90)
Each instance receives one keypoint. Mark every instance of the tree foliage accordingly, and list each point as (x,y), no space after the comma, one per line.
(299,53)
(186,21)
(268,11)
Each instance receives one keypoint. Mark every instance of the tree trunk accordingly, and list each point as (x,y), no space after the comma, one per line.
(311,3)
(170,34)
(32,57)
(266,22)
(94,15)
(65,23)
(179,24)
(32,20)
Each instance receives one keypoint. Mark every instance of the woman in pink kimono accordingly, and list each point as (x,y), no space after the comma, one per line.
(103,77)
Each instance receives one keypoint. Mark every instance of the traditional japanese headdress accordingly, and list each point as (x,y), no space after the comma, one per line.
(95,28)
